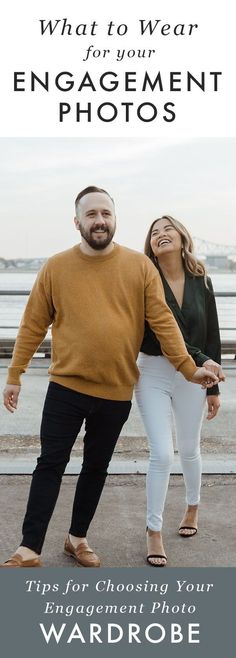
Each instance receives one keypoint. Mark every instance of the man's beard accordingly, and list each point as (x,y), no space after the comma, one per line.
(100,243)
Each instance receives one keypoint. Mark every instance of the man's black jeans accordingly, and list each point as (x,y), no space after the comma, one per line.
(63,414)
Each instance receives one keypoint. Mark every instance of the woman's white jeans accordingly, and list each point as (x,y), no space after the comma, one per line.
(161,390)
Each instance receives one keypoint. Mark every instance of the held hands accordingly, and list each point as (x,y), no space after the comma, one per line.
(205,377)
(215,368)
(213,402)
(10,397)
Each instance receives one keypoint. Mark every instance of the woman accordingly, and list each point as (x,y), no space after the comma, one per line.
(189,294)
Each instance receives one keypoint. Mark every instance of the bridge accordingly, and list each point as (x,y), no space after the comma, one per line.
(206,248)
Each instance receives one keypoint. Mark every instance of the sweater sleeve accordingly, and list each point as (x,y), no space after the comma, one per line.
(164,325)
(38,315)
(197,355)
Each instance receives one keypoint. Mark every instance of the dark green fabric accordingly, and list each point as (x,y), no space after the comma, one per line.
(197,320)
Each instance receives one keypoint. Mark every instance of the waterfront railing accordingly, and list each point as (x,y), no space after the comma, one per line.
(226,305)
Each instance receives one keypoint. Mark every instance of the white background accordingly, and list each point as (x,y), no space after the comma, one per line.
(211,48)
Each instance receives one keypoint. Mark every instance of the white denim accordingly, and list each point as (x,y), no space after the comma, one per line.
(160,391)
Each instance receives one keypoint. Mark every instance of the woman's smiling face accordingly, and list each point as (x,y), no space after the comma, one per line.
(165,238)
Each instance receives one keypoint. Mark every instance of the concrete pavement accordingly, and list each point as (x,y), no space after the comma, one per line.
(117,532)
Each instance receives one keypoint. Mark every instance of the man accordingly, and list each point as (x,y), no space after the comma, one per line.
(96,296)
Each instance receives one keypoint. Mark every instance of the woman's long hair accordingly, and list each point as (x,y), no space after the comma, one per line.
(190,262)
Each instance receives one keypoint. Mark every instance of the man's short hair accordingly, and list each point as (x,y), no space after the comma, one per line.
(88,190)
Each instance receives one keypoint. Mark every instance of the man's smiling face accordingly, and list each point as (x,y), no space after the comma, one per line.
(96,219)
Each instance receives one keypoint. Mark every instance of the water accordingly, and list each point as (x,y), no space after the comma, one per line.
(11,308)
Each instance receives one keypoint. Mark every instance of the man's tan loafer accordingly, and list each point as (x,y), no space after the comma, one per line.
(83,555)
(17,561)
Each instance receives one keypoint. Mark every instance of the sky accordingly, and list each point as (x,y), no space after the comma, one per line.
(191,179)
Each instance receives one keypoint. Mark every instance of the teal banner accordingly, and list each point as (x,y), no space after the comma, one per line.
(88,612)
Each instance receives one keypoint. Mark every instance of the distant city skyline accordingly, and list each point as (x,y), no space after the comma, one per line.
(193,180)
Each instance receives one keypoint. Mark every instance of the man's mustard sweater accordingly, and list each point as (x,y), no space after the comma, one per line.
(97,306)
